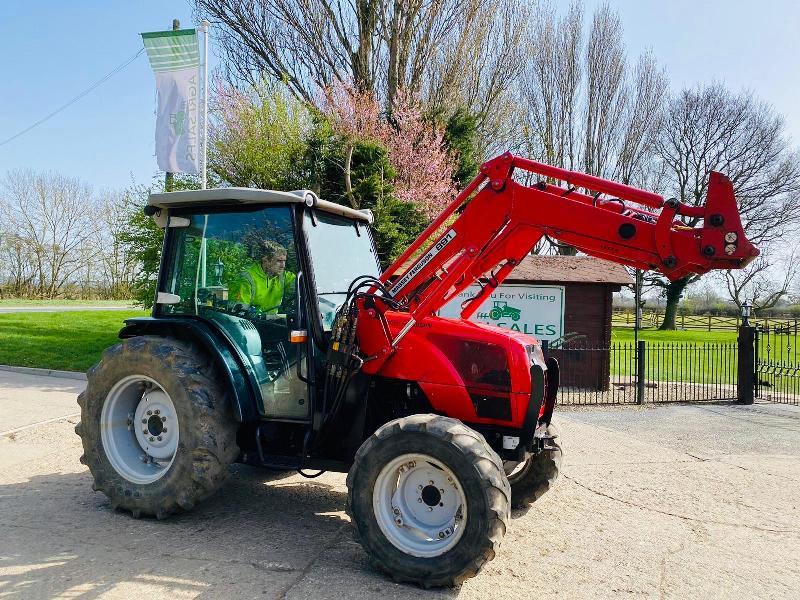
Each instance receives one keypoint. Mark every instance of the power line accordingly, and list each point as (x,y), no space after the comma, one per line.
(99,82)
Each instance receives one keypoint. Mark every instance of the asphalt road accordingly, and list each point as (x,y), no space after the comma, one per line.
(667,502)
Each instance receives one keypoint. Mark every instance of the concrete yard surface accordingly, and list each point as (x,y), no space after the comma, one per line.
(679,501)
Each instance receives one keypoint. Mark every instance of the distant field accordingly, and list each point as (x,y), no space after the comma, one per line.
(69,341)
(17,302)
(651,320)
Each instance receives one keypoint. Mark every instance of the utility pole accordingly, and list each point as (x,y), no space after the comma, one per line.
(169,178)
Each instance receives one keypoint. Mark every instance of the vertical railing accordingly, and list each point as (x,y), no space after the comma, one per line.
(626,373)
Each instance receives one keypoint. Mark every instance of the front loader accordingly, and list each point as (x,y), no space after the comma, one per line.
(276,341)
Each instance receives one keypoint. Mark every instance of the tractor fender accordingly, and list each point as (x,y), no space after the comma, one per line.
(204,334)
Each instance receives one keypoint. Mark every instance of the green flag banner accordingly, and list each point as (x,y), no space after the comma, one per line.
(175,58)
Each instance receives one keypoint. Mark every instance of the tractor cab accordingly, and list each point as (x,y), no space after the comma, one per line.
(266,271)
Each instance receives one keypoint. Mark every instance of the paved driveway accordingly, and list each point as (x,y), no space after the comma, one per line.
(27,399)
(667,502)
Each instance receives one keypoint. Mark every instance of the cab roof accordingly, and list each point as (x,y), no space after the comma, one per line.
(233,196)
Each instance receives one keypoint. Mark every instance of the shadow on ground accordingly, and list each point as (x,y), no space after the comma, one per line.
(259,535)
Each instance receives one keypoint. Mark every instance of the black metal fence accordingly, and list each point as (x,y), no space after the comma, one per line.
(647,372)
(777,363)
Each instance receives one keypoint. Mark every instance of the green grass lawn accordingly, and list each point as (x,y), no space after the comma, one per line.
(692,355)
(74,340)
(69,341)
(694,336)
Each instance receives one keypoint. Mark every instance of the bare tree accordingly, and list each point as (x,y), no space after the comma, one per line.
(115,264)
(606,93)
(584,108)
(550,86)
(478,66)
(712,129)
(53,216)
(449,54)
(765,281)
(16,265)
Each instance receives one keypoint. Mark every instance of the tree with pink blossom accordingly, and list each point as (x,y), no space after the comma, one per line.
(423,169)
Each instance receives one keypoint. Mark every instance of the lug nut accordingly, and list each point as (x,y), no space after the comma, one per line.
(441,535)
(430,482)
(158,412)
(159,438)
(163,418)
(152,439)
(144,431)
(396,511)
(164,430)
(430,509)
(149,412)
(144,421)
(419,499)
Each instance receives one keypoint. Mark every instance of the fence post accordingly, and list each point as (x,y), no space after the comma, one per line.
(640,350)
(746,365)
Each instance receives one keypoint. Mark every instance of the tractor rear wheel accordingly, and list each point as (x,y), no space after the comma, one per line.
(156,426)
(429,500)
(531,479)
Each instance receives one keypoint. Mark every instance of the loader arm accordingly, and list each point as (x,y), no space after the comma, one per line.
(486,231)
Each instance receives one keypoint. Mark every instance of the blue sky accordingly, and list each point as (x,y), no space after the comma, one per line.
(53,49)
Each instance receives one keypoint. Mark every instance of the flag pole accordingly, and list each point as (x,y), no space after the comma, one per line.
(169,178)
(204,26)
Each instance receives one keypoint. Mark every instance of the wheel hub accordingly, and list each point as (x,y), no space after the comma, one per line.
(154,425)
(139,429)
(430,495)
(155,413)
(419,505)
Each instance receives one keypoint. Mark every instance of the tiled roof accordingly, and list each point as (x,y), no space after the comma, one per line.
(577,269)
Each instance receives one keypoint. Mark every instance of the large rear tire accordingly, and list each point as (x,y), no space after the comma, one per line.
(157,431)
(429,500)
(533,478)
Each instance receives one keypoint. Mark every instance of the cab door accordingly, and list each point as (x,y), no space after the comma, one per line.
(239,270)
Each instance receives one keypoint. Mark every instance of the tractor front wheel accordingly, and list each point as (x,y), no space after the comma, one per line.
(532,478)
(429,500)
(156,426)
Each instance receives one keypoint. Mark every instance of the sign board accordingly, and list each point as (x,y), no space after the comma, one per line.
(537,310)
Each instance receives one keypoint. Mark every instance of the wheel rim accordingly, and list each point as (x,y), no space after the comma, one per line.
(420,505)
(139,429)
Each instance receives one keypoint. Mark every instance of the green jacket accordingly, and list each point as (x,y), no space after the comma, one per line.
(266,293)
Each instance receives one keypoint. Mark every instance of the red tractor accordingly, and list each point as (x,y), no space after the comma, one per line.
(276,341)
